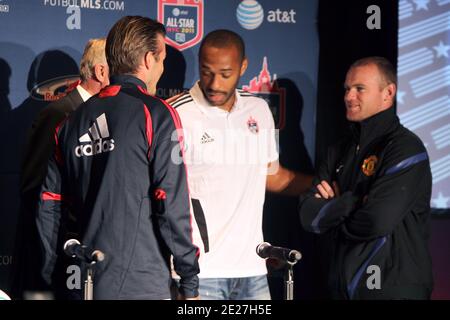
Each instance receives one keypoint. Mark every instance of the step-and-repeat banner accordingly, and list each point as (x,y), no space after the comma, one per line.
(423,99)
(41,43)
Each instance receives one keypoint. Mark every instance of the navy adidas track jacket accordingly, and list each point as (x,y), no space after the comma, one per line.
(117,169)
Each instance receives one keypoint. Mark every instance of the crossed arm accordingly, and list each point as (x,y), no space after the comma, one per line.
(361,217)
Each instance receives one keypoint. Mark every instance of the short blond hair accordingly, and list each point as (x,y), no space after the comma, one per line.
(94,53)
(385,67)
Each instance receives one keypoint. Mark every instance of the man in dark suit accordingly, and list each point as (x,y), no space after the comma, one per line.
(94,75)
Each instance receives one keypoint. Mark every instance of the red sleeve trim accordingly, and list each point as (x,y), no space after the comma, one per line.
(179,127)
(58,153)
(174,113)
(160,194)
(148,129)
(51,196)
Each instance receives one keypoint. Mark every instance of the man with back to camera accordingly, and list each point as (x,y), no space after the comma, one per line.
(232,157)
(113,167)
(372,196)
(94,75)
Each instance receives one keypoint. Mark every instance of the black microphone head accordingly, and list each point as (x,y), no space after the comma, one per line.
(98,256)
(295,255)
(69,246)
(261,248)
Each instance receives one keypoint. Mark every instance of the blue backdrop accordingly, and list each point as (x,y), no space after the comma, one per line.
(41,43)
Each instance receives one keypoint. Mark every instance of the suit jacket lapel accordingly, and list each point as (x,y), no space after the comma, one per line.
(75,99)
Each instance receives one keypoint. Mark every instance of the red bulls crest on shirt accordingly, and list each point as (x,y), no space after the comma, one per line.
(252,125)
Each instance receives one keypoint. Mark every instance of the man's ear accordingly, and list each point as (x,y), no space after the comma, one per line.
(149,60)
(389,92)
(244,66)
(101,72)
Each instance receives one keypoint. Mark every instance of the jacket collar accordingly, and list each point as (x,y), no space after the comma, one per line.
(378,125)
(127,80)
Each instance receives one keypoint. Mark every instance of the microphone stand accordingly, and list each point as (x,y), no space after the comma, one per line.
(289,281)
(89,257)
(89,282)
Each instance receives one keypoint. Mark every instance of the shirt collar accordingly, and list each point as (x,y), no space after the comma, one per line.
(126,79)
(210,110)
(83,93)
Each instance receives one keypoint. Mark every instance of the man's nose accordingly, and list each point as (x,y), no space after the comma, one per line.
(215,83)
(349,95)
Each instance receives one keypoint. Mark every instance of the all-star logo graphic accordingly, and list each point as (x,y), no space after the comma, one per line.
(252,125)
(266,88)
(96,140)
(206,138)
(183,20)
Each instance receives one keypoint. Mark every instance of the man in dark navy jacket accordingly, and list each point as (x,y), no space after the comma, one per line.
(117,166)
(372,196)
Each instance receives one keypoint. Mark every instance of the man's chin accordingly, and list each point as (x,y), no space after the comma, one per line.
(353,117)
(216,103)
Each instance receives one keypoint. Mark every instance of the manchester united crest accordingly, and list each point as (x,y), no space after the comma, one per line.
(252,125)
(183,20)
(368,166)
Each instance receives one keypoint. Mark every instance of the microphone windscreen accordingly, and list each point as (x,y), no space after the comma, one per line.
(98,256)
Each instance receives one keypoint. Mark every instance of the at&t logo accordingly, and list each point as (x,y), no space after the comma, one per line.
(250,15)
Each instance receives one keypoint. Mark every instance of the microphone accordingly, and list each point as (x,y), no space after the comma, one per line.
(73,248)
(266,250)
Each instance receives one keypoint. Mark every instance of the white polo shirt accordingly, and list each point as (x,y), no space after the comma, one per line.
(227,154)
